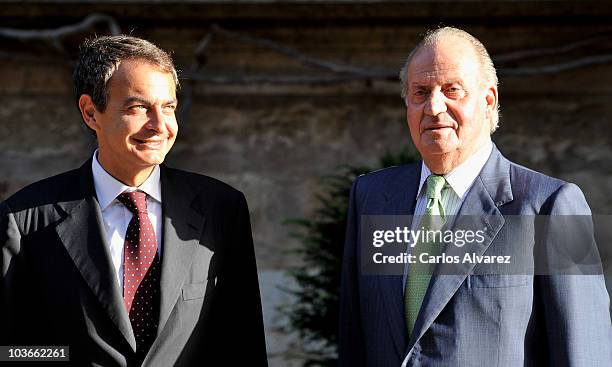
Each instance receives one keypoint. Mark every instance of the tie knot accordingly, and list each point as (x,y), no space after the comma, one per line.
(435,184)
(135,201)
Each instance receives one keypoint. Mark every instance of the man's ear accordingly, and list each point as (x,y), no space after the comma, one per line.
(491,98)
(88,111)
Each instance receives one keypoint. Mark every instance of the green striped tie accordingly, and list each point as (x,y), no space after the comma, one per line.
(419,274)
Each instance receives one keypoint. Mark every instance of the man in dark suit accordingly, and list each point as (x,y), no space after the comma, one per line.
(469,316)
(125,260)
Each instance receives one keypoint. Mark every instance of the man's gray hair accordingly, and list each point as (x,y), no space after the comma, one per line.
(432,37)
(100,57)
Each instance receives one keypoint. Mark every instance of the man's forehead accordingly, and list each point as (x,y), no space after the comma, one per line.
(434,71)
(152,89)
(132,71)
(440,74)
(444,63)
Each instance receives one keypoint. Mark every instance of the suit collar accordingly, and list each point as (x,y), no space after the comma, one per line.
(81,231)
(491,189)
(398,198)
(183,222)
(495,178)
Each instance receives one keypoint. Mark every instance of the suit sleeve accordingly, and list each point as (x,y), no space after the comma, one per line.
(576,307)
(241,301)
(351,349)
(10,240)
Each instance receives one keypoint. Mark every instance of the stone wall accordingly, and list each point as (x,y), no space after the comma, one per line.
(273,141)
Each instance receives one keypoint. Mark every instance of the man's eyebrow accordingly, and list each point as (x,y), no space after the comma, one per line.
(131,100)
(419,85)
(454,81)
(144,101)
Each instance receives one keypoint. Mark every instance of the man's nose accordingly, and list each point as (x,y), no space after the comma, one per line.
(156,120)
(435,103)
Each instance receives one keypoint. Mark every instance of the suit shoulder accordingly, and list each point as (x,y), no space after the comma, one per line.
(202,183)
(388,175)
(525,177)
(545,193)
(44,192)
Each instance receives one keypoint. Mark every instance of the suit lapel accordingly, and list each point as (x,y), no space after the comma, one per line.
(81,232)
(491,189)
(182,230)
(399,199)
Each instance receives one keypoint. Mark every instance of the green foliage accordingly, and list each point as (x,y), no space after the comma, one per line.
(315,313)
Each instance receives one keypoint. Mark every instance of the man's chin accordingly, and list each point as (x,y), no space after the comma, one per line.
(436,147)
(151,159)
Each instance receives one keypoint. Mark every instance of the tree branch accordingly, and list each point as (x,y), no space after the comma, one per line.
(557,68)
(285,80)
(526,54)
(298,56)
(51,35)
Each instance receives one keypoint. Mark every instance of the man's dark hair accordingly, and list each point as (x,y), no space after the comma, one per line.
(100,57)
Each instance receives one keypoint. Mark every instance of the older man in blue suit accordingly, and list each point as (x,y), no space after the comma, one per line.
(465,318)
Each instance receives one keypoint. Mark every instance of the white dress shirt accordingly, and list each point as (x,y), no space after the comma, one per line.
(460,180)
(116,216)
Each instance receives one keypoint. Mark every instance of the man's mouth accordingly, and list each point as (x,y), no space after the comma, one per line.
(436,127)
(149,143)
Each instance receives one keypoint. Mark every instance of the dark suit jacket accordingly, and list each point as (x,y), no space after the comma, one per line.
(58,284)
(470,318)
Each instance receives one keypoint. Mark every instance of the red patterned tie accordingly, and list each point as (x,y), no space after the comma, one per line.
(141,272)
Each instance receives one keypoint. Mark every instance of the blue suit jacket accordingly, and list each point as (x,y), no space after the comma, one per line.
(469,319)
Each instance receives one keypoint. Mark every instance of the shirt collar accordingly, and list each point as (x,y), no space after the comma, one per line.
(108,188)
(460,179)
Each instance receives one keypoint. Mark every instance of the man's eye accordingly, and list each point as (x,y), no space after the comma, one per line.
(419,93)
(170,107)
(138,108)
